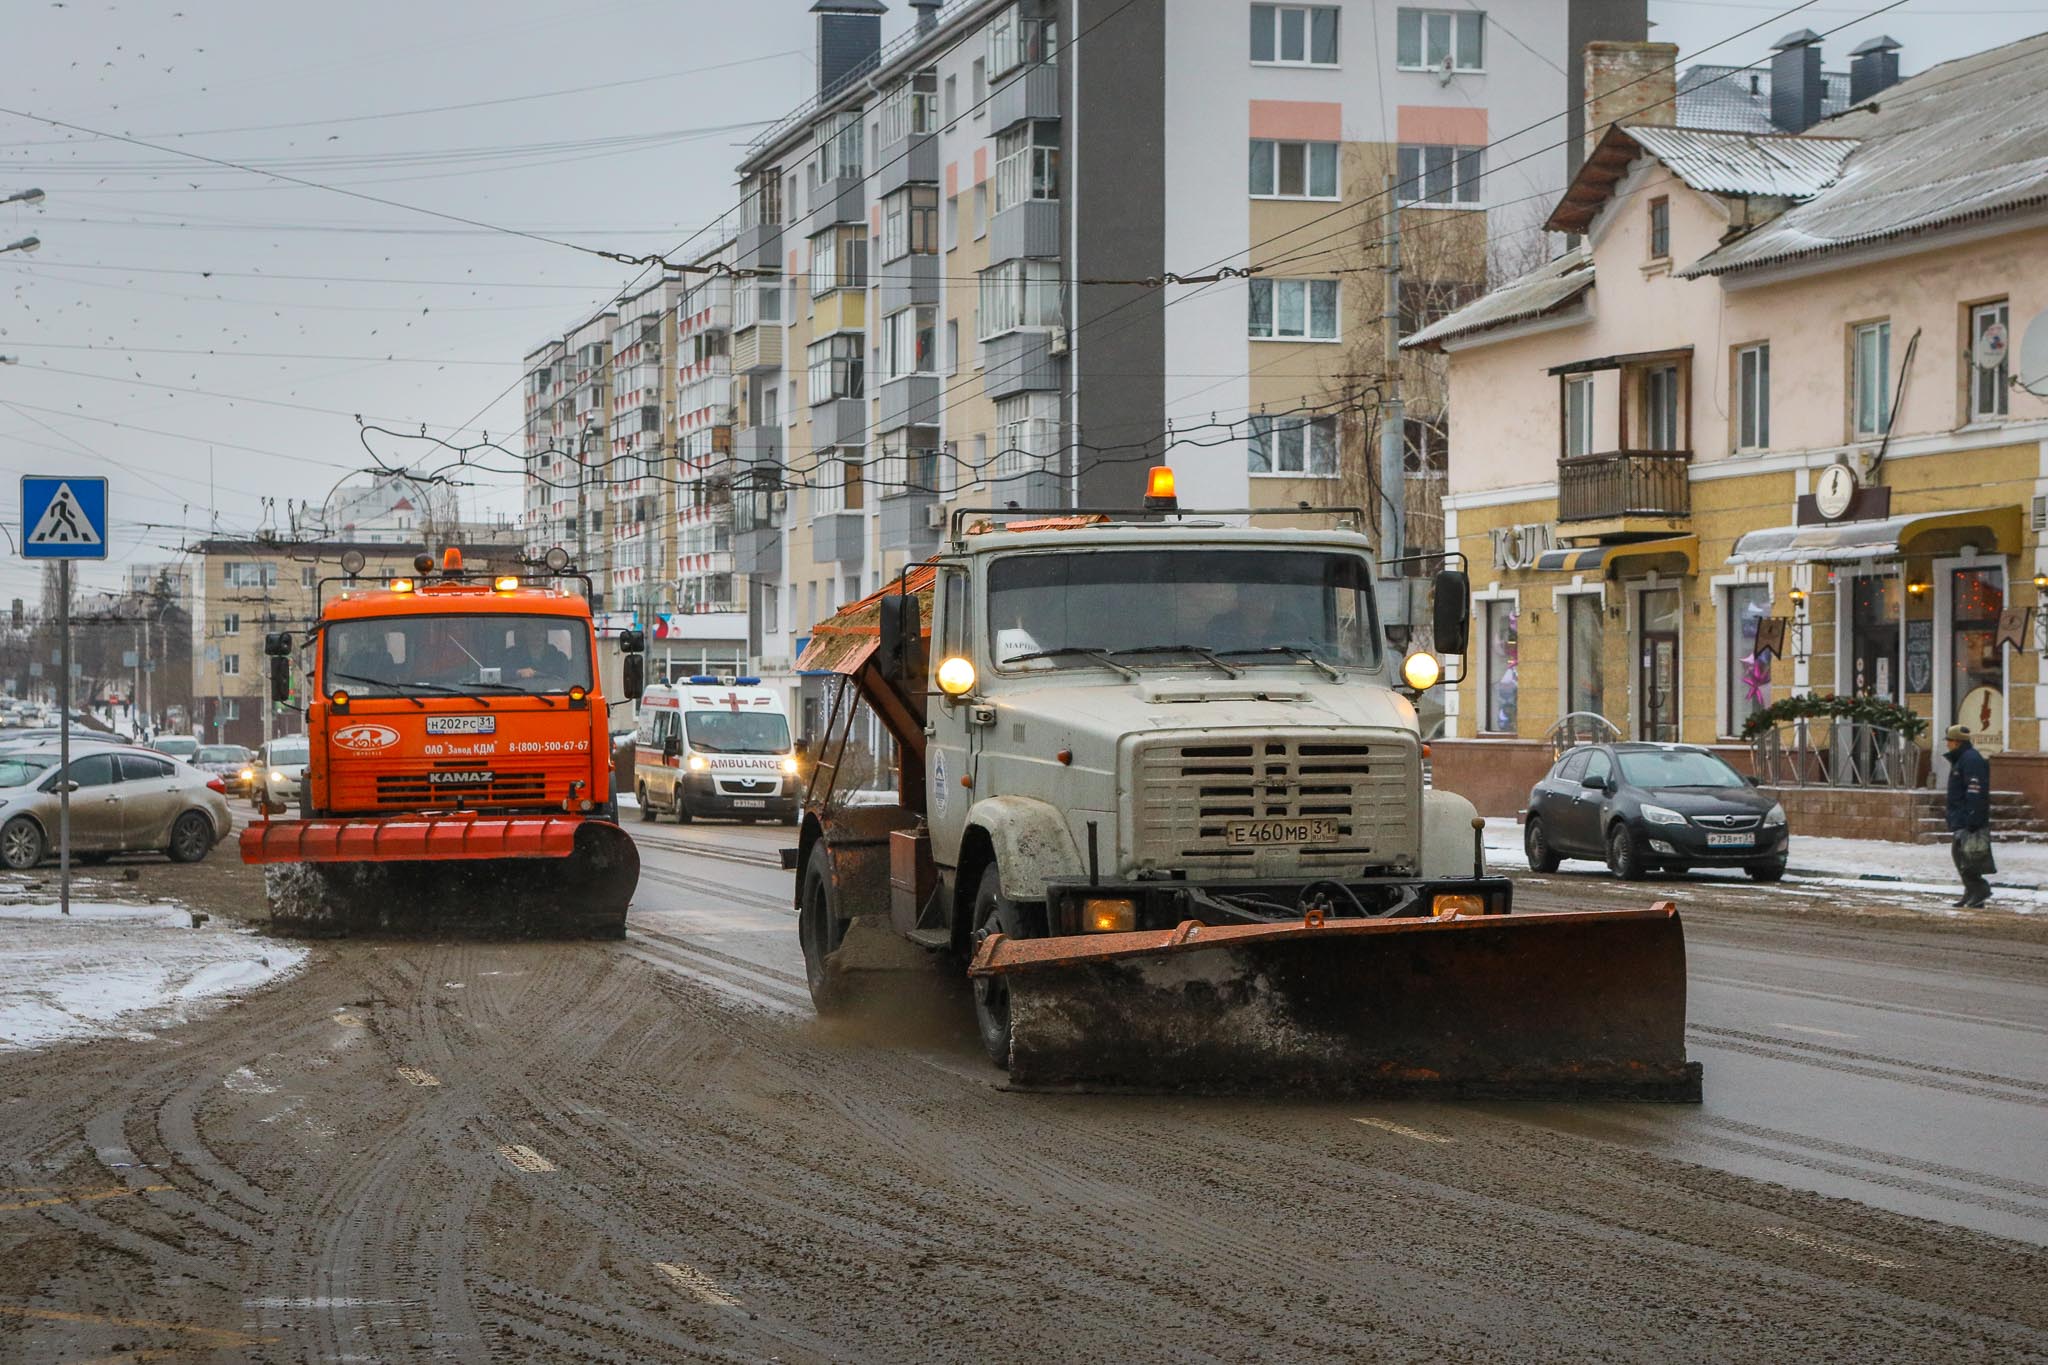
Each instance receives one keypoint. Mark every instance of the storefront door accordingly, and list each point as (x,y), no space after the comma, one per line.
(1657,666)
(1874,669)
(1976,690)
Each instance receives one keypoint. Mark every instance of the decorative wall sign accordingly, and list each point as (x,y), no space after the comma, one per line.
(1770,637)
(2012,627)
(1516,547)
(1920,656)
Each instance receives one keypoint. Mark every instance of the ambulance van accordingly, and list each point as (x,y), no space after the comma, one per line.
(715,747)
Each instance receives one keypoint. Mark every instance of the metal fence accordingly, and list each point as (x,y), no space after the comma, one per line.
(1580,727)
(1835,752)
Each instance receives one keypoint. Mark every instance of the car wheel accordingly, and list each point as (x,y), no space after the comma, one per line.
(647,812)
(21,843)
(191,837)
(1542,857)
(681,811)
(1624,858)
(1766,872)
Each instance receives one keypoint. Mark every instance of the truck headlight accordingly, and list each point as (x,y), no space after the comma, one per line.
(1661,815)
(956,677)
(1421,670)
(698,763)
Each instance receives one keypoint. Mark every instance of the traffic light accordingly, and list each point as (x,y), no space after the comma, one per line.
(20,616)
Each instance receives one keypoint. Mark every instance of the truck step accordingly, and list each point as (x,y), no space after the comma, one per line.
(931,938)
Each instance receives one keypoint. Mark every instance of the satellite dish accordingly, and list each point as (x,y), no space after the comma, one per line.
(2033,375)
(1990,348)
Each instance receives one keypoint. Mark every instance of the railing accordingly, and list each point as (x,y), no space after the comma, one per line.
(1622,483)
(1580,727)
(1855,754)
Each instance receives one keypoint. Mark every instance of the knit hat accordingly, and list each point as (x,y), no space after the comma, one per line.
(1961,732)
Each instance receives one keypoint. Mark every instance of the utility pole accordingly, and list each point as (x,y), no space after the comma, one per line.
(64,736)
(1393,412)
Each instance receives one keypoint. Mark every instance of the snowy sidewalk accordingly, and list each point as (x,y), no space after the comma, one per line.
(2022,868)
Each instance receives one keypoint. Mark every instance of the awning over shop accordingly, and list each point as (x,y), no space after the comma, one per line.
(1584,558)
(1834,542)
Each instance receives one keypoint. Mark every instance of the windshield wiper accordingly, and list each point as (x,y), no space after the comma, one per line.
(441,688)
(1074,651)
(1302,652)
(377,682)
(501,689)
(1232,669)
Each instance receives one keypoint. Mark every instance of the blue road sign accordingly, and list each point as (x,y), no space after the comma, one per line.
(63,517)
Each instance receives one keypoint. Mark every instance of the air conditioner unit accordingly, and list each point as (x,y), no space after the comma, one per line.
(1056,344)
(778,502)
(2041,513)
(935,516)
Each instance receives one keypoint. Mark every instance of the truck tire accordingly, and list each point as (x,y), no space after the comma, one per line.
(994,913)
(646,811)
(819,931)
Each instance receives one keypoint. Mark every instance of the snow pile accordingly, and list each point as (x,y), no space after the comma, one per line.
(121,970)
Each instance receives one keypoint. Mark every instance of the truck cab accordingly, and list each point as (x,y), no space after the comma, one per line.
(715,747)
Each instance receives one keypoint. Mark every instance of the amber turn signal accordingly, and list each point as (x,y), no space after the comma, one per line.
(1458,904)
(1109,914)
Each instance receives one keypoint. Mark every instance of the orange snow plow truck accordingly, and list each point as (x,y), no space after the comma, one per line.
(460,764)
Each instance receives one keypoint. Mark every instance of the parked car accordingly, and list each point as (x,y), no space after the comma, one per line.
(231,763)
(280,772)
(123,800)
(1643,806)
(177,746)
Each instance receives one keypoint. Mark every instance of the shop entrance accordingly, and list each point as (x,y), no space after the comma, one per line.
(1874,636)
(1657,665)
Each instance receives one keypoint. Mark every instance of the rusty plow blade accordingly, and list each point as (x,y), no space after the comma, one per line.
(554,873)
(1586,1005)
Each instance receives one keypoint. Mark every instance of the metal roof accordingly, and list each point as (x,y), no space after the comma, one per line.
(1534,294)
(1738,98)
(1746,163)
(1965,140)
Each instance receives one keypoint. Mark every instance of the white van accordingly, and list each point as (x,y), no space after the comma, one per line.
(716,747)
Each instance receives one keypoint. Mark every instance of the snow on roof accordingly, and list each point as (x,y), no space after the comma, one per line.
(1746,163)
(1534,294)
(1964,140)
(1738,98)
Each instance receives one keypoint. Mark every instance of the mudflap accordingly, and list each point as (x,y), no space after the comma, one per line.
(1584,1005)
(583,891)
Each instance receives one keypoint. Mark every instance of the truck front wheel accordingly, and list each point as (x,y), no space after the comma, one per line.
(820,932)
(995,913)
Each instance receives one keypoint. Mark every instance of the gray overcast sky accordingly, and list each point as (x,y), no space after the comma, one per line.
(159,312)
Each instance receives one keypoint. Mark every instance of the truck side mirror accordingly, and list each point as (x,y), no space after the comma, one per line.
(900,630)
(635,679)
(280,678)
(1452,623)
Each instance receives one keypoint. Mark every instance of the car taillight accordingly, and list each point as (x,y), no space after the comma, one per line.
(215,784)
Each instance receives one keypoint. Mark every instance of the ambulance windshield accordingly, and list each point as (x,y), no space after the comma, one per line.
(741,732)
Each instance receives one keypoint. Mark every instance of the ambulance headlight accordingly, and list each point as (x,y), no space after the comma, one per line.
(789,765)
(698,763)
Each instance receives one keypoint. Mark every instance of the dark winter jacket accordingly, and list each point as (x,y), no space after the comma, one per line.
(1969,789)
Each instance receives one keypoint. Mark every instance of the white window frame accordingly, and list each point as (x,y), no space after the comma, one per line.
(910,108)
(1561,601)
(1027,163)
(836,368)
(1482,647)
(839,148)
(1722,586)
(231,665)
(1288,445)
(1464,168)
(1663,407)
(1992,382)
(1267,185)
(1752,426)
(1019,295)
(1870,358)
(1419,32)
(899,342)
(231,623)
(1270,21)
(910,222)
(1027,434)
(1278,293)
(841,262)
(1578,415)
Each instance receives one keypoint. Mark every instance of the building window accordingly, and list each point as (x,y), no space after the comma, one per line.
(231,664)
(839,260)
(1430,174)
(231,623)
(1293,170)
(980,212)
(1014,40)
(1298,35)
(952,346)
(230,709)
(1502,618)
(838,149)
(977,86)
(835,487)
(1027,163)
(770,612)
(907,342)
(1660,408)
(910,222)
(1977,682)
(836,368)
(1870,385)
(1578,415)
(1660,228)
(237,574)
(1293,445)
(1988,395)
(1585,632)
(1657,675)
(1426,445)
(910,108)
(1748,676)
(1027,434)
(1436,40)
(1019,294)
(1293,310)
(1753,396)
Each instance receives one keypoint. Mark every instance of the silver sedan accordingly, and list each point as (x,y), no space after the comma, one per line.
(123,800)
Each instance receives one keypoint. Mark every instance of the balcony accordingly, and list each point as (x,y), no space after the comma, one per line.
(838,200)
(837,537)
(909,160)
(904,282)
(1030,93)
(758,349)
(760,246)
(1625,491)
(906,522)
(757,445)
(912,401)
(1031,228)
(839,422)
(1018,362)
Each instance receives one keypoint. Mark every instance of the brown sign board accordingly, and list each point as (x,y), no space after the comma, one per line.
(1866,504)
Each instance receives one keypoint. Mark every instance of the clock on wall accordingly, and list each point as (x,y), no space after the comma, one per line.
(1834,492)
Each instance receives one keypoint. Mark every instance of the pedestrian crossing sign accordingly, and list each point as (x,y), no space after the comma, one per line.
(63,516)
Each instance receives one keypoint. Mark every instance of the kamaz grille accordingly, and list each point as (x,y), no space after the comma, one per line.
(1189,792)
(504,789)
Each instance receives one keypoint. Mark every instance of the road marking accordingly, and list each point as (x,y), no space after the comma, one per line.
(1823,1032)
(219,1338)
(697,1284)
(1388,1125)
(88,1197)
(419,1077)
(1805,1239)
(526,1159)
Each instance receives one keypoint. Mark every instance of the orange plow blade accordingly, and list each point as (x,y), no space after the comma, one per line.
(1586,1005)
(407,840)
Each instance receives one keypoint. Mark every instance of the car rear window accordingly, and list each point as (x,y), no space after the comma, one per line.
(288,753)
(222,753)
(143,768)
(1572,767)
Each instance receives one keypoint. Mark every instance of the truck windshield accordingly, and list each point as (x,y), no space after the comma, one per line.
(722,732)
(1245,605)
(390,656)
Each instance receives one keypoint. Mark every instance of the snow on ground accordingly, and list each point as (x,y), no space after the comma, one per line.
(1922,873)
(121,970)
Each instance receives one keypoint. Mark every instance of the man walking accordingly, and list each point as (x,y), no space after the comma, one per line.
(1969,815)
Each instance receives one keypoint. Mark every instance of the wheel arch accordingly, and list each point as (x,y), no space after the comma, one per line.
(1447,834)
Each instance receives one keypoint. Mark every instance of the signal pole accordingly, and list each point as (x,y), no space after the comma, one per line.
(1393,412)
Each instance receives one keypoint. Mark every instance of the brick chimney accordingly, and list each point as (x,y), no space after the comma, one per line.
(1796,87)
(1629,83)
(1873,67)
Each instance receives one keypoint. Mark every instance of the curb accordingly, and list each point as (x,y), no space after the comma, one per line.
(1894,877)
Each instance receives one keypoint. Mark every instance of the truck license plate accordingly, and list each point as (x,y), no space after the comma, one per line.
(743,803)
(462,725)
(1268,833)
(1731,841)
(465,777)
